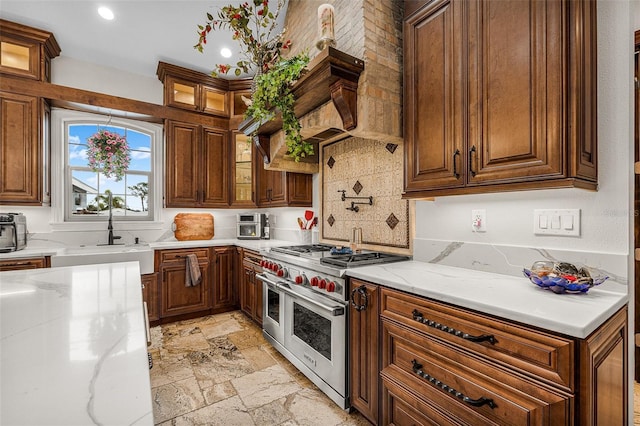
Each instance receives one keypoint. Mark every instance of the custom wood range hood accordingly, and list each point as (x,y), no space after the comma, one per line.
(329,103)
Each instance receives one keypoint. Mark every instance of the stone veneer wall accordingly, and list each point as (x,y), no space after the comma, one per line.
(372,31)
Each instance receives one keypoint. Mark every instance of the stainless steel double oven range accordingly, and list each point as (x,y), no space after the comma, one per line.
(305,310)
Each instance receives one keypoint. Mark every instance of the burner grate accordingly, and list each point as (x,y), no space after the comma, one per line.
(352,260)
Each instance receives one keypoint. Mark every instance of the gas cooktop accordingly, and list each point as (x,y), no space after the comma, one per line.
(361,259)
(299,250)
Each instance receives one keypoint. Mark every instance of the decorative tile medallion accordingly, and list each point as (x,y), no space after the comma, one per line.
(331,220)
(392,221)
(357,187)
(391,147)
(330,162)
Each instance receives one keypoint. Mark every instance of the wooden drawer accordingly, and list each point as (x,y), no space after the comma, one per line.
(27,263)
(536,353)
(401,407)
(180,254)
(458,382)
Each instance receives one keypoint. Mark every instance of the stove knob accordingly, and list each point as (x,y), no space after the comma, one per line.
(282,272)
(331,286)
(275,267)
(322,283)
(263,263)
(314,281)
(299,279)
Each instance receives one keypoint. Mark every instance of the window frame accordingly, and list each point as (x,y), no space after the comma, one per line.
(61,177)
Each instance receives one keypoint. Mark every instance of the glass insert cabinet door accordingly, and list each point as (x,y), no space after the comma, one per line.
(19,58)
(243,175)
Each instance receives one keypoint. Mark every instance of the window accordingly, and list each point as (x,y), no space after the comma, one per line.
(89,196)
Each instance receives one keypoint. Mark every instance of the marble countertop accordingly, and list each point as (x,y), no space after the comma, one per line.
(505,296)
(256,245)
(73,347)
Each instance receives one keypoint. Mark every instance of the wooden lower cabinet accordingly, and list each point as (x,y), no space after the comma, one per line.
(250,286)
(603,373)
(175,297)
(224,295)
(26,263)
(428,373)
(150,295)
(364,356)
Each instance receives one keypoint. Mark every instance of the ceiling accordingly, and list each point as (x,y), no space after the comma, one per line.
(142,33)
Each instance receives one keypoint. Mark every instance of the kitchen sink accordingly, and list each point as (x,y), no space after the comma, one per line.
(92,254)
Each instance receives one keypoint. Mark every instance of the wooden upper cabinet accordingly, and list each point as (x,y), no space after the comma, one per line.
(20,150)
(279,189)
(196,166)
(215,168)
(194,91)
(26,51)
(433,98)
(499,96)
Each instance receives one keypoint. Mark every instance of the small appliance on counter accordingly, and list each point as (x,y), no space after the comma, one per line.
(13,232)
(253,226)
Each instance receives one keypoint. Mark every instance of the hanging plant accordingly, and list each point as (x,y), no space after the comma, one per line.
(273,92)
(254,26)
(108,153)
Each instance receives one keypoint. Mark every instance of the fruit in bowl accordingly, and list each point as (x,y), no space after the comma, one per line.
(563,277)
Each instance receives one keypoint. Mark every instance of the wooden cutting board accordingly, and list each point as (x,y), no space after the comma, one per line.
(193,226)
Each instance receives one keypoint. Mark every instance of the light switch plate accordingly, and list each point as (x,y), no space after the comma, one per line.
(556,222)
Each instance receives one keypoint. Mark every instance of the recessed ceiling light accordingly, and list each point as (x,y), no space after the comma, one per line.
(225,52)
(106,13)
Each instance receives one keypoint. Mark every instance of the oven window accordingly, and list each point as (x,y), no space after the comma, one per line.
(313,329)
(273,305)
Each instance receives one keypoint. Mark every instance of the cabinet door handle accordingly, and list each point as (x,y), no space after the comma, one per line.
(417,369)
(362,291)
(417,316)
(455,164)
(472,151)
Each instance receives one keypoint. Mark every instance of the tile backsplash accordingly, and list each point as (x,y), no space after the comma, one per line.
(364,168)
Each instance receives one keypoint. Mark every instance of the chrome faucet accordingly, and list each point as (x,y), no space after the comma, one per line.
(110,227)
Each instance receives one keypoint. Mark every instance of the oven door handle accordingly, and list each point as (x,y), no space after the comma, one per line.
(272,284)
(334,311)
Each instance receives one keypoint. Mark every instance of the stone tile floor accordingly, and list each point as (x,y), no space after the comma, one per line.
(219,370)
(636,403)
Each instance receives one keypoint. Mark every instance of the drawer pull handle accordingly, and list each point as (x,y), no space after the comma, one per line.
(362,291)
(417,369)
(417,316)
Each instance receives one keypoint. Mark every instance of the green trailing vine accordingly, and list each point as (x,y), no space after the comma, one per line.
(273,91)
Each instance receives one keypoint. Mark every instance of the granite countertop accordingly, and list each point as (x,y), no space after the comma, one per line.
(505,296)
(74,347)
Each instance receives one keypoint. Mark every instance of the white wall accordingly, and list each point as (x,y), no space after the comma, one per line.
(606,225)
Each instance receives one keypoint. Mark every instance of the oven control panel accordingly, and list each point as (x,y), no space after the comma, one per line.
(333,287)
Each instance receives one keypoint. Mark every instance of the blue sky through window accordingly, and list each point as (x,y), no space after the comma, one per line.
(89,185)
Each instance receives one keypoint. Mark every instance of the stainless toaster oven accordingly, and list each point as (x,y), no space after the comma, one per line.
(252,226)
(13,232)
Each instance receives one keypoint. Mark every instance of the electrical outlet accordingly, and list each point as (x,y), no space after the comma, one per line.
(479,220)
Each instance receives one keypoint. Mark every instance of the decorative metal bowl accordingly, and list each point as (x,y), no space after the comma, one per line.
(562,277)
